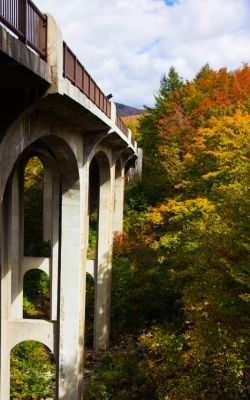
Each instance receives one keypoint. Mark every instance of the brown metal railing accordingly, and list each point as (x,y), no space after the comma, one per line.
(25,20)
(121,125)
(77,74)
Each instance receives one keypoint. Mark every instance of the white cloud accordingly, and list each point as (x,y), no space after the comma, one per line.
(128,44)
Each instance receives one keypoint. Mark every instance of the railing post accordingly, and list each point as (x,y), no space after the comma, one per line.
(64,59)
(23,7)
(75,66)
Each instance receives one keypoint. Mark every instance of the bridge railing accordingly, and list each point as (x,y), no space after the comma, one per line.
(77,74)
(121,125)
(25,20)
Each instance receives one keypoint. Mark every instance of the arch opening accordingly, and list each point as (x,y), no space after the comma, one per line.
(32,372)
(33,198)
(100,205)
(36,295)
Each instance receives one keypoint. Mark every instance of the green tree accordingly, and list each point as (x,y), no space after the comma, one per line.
(168,84)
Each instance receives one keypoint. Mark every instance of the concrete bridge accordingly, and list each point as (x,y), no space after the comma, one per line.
(50,107)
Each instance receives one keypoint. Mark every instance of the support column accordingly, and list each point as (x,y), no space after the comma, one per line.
(16,246)
(54,257)
(51,215)
(104,256)
(119,197)
(70,342)
(5,298)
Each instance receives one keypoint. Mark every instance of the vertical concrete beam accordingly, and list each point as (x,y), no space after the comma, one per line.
(16,246)
(54,257)
(104,256)
(84,239)
(119,197)
(51,216)
(70,341)
(5,293)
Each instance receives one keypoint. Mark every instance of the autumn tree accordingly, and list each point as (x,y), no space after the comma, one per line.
(181,274)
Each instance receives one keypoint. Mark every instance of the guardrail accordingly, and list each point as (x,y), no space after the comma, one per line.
(77,74)
(27,22)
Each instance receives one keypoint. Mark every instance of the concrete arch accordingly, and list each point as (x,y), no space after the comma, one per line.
(26,135)
(99,151)
(45,335)
(35,263)
(44,271)
(62,334)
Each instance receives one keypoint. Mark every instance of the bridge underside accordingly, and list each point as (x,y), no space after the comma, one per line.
(24,78)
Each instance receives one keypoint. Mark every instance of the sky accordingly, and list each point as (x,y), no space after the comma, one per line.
(127,45)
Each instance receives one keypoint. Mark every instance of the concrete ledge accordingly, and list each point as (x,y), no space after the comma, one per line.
(41,263)
(33,329)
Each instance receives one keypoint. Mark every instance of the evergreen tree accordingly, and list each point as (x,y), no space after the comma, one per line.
(168,84)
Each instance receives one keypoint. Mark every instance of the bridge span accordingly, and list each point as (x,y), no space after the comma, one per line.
(51,108)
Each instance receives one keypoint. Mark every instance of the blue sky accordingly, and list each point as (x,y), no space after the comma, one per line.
(127,45)
(171,2)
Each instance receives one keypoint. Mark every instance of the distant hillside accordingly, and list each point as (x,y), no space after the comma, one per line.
(124,110)
(132,122)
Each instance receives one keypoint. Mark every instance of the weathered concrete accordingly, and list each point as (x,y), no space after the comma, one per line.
(23,56)
(42,114)
(119,196)
(24,78)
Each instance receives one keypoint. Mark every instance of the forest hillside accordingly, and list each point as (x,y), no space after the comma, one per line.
(124,110)
(180,304)
(180,287)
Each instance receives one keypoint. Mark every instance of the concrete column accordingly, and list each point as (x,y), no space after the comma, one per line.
(5,293)
(84,221)
(51,216)
(54,257)
(16,246)
(104,255)
(70,341)
(119,197)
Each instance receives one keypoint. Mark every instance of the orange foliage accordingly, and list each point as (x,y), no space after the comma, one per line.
(215,94)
